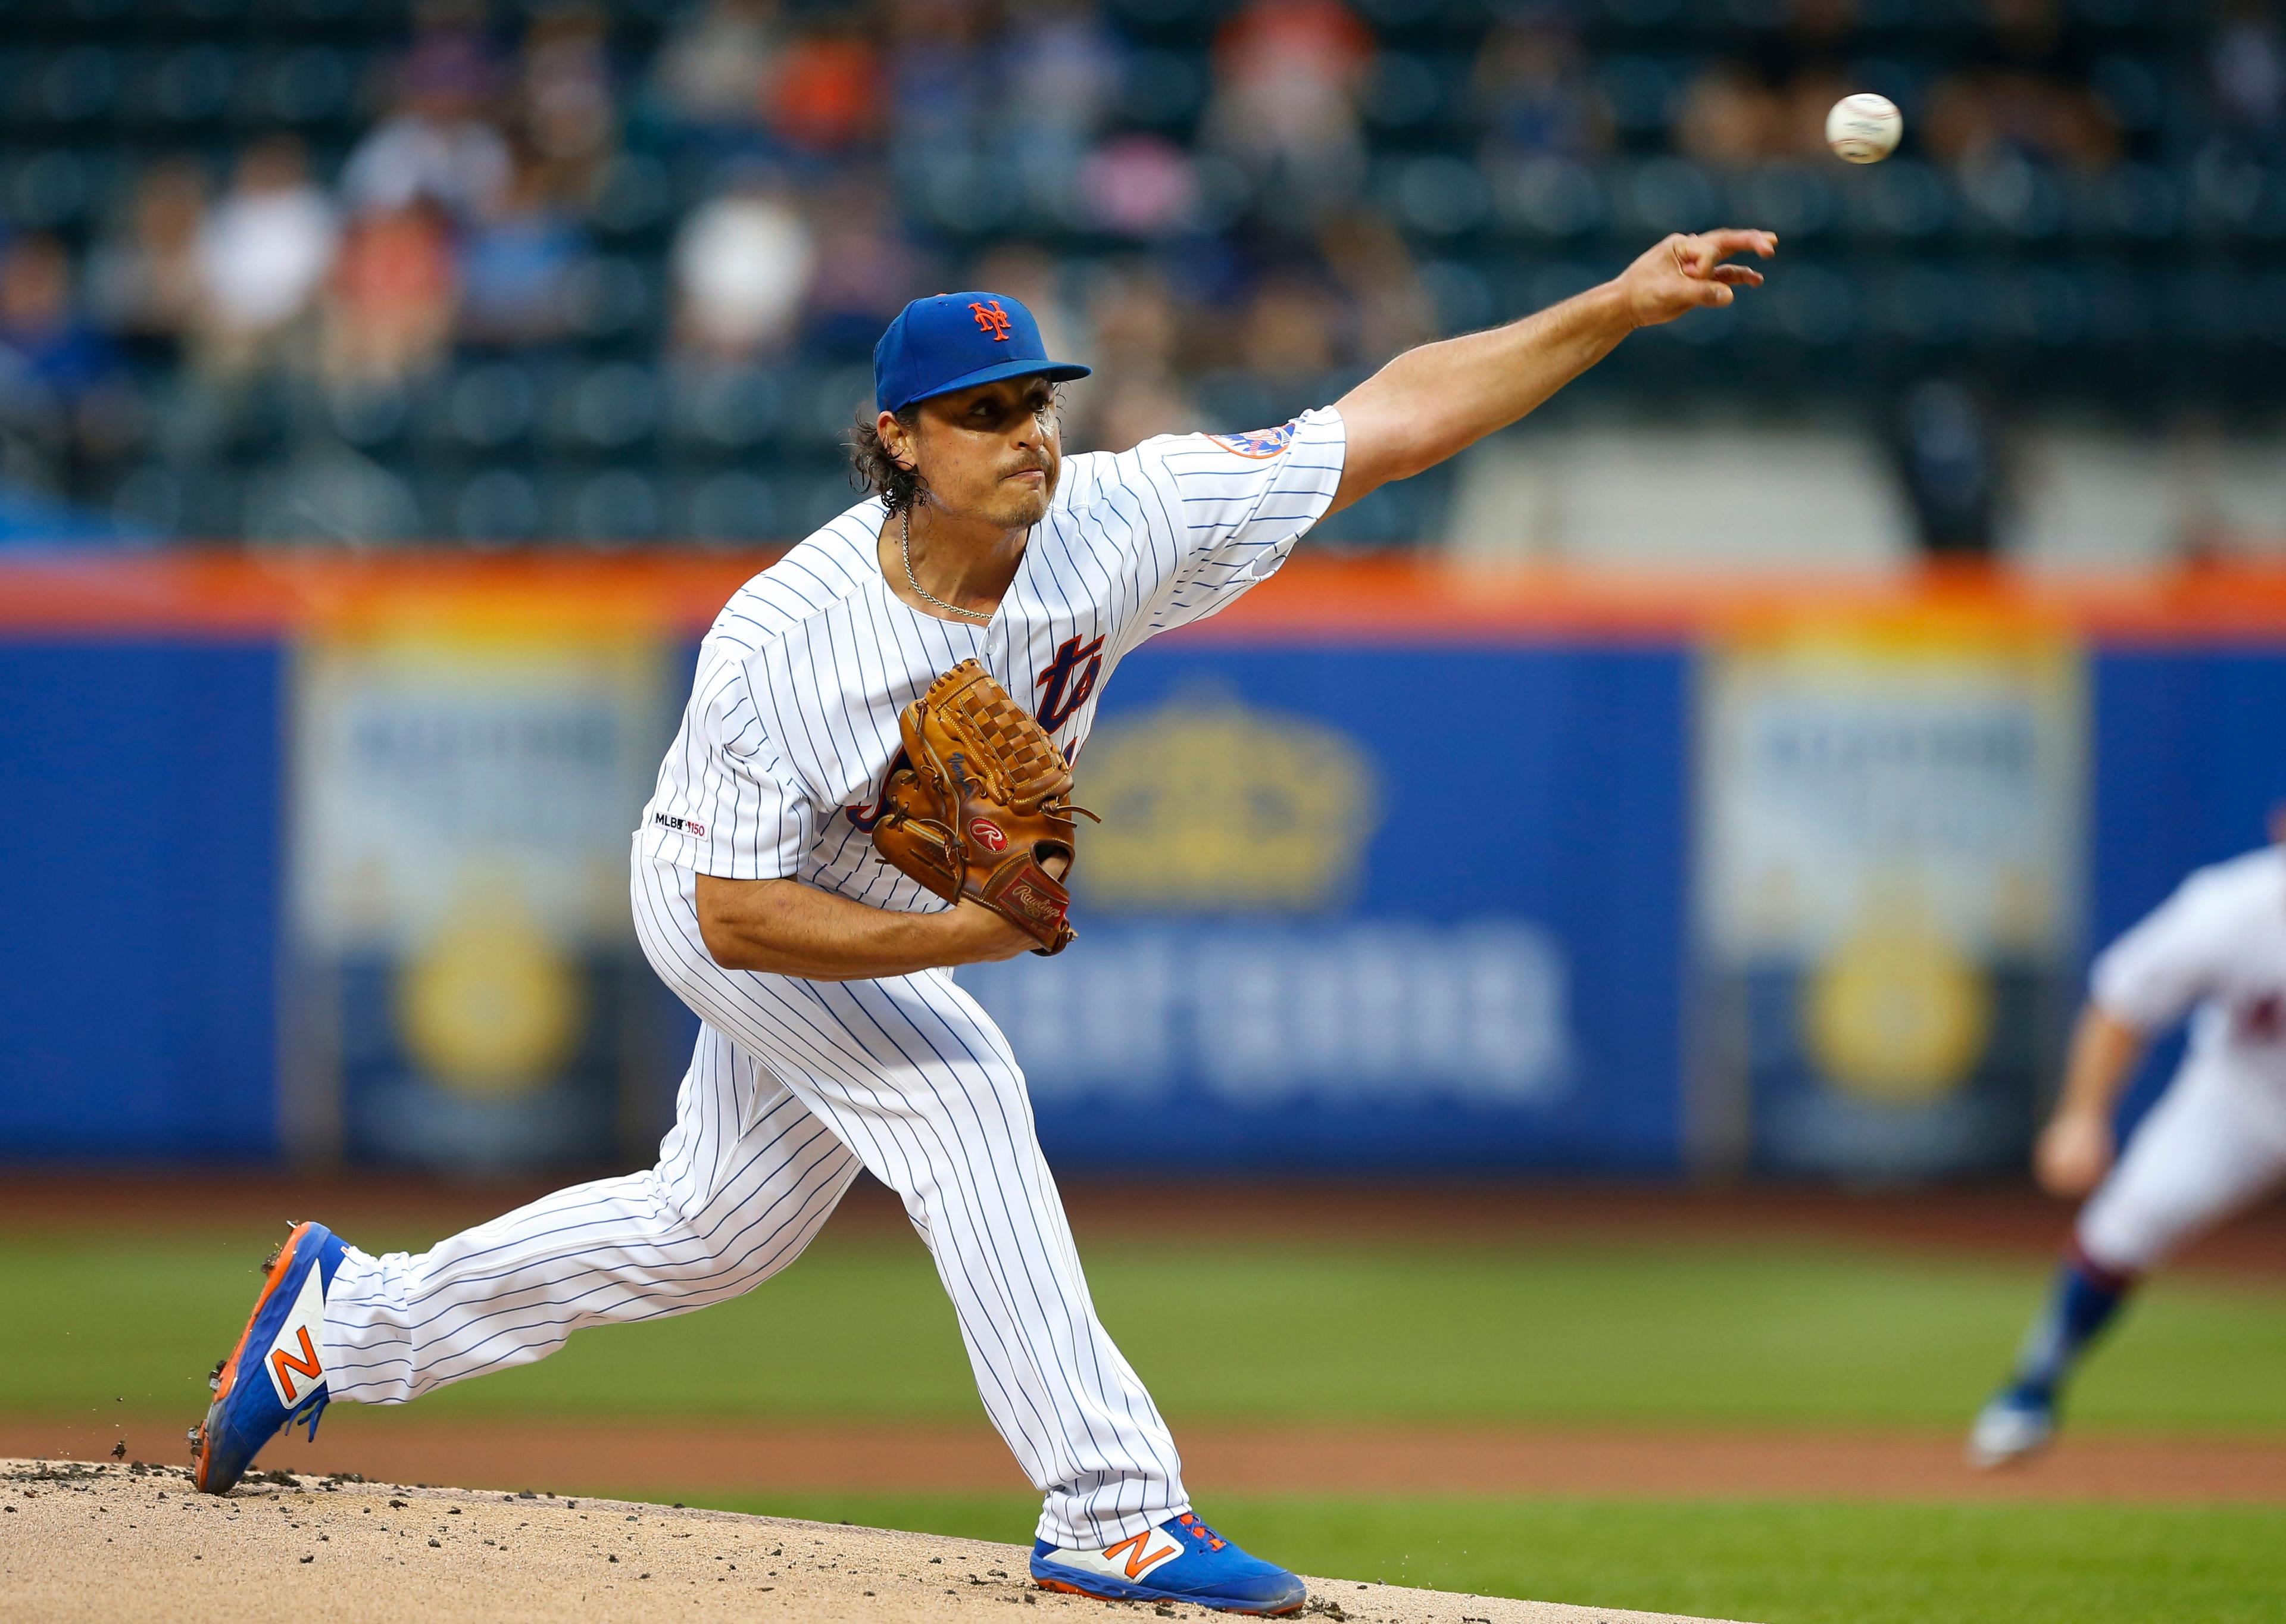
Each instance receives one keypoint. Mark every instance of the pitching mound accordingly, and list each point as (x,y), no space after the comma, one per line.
(132,1543)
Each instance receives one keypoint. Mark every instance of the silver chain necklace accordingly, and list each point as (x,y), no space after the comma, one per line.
(905,550)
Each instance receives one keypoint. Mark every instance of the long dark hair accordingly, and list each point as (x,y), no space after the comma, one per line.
(872,469)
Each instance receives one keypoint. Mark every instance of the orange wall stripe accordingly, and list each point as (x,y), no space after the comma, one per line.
(1315,600)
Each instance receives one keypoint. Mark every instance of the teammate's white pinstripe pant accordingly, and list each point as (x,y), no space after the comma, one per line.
(793,1086)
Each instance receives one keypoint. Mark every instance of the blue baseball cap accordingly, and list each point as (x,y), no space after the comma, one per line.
(953,341)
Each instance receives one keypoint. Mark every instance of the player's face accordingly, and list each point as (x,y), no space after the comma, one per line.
(992,453)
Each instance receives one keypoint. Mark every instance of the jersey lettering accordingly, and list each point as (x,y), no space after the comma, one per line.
(1057,708)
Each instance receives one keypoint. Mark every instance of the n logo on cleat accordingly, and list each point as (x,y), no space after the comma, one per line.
(294,1351)
(1140,1558)
(282,1361)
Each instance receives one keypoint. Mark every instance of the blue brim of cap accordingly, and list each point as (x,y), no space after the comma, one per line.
(1060,372)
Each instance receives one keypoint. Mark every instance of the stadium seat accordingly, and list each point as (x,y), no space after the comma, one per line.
(307,85)
(613,407)
(500,506)
(192,85)
(613,297)
(616,507)
(79,84)
(725,410)
(733,508)
(492,406)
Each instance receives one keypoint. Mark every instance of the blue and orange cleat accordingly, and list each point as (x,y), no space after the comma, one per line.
(287,1382)
(2018,1422)
(1181,1560)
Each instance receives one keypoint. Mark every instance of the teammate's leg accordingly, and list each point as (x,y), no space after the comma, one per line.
(911,1073)
(743,1183)
(2205,1151)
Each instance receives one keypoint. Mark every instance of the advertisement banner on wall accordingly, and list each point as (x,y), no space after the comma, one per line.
(470,993)
(1889,839)
(1402,909)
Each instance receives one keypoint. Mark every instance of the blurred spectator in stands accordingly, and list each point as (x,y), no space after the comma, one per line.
(1819,28)
(1944,444)
(824,97)
(67,403)
(1392,310)
(941,79)
(1136,391)
(49,342)
(2248,62)
(1139,186)
(389,312)
(1293,329)
(436,143)
(1137,320)
(262,252)
(2026,31)
(1068,61)
(743,264)
(516,262)
(866,267)
(1531,95)
(568,114)
(1131,409)
(1729,117)
(1803,105)
(710,74)
(1288,75)
(1978,119)
(144,276)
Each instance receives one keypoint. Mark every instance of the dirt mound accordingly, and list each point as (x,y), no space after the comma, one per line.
(126,1542)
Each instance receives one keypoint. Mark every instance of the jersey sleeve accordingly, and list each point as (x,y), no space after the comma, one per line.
(728,804)
(2151,977)
(1238,502)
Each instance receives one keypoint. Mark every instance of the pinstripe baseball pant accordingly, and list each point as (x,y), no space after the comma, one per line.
(793,1086)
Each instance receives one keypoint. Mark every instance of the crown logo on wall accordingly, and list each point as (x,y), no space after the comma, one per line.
(1214,806)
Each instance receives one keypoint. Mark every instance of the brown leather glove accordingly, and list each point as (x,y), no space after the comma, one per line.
(984,810)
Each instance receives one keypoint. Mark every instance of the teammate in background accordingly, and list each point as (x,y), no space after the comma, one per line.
(832,1036)
(2214,1144)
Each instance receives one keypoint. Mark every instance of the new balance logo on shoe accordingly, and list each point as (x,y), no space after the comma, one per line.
(292,1352)
(1129,1559)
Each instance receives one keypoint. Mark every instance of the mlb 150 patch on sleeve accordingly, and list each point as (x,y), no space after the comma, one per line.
(1259,444)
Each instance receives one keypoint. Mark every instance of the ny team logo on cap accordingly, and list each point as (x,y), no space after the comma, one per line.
(955,340)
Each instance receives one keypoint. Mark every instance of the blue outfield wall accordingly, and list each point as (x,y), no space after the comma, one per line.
(140,894)
(1539,787)
(1529,831)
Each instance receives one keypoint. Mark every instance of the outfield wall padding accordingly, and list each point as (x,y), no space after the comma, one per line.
(1527,745)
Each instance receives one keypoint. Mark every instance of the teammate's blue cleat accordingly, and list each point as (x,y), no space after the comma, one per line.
(273,1377)
(2017,1423)
(1181,1560)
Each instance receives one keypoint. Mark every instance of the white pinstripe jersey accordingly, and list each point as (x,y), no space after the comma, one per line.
(791,726)
(2216,948)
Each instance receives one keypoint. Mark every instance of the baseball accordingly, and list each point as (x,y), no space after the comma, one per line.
(1864,127)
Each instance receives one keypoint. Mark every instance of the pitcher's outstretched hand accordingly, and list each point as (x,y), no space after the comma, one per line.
(1685,273)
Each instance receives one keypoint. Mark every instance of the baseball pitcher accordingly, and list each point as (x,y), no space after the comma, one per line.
(870,788)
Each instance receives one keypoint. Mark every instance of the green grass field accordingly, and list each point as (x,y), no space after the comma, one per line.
(1724,1333)
(1719,1333)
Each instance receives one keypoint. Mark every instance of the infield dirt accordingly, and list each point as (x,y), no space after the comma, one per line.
(85,1541)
